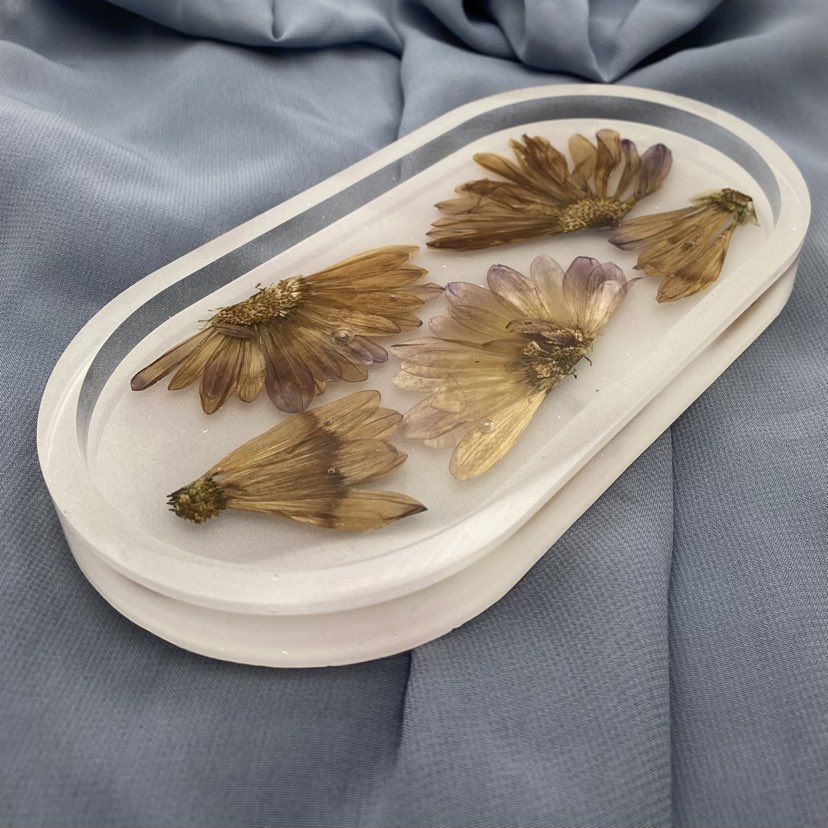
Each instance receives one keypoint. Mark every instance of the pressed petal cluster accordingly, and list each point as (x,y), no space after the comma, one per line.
(295,336)
(501,350)
(686,248)
(306,469)
(543,196)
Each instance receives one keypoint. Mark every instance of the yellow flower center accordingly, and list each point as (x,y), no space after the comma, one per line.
(199,501)
(731,201)
(269,303)
(593,212)
(545,363)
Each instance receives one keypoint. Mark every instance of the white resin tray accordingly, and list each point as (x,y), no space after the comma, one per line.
(263,590)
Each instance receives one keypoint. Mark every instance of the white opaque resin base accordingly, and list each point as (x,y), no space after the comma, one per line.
(260,590)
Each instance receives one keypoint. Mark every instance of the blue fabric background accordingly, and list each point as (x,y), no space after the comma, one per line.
(664,665)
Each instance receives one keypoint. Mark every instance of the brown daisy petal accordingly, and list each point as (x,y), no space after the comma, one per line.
(220,375)
(584,159)
(169,361)
(252,374)
(295,336)
(288,382)
(608,157)
(193,366)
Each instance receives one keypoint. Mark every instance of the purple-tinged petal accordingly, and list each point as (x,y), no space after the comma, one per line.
(520,290)
(478,308)
(582,281)
(547,274)
(578,274)
(368,350)
(593,297)
(505,280)
(632,164)
(655,165)
(610,272)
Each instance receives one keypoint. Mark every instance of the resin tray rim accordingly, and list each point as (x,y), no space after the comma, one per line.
(59,393)
(385,629)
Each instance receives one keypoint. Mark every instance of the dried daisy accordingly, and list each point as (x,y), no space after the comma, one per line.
(493,360)
(543,197)
(686,247)
(306,468)
(293,337)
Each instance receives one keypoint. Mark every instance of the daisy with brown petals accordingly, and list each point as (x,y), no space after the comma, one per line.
(493,360)
(686,247)
(306,469)
(542,196)
(293,337)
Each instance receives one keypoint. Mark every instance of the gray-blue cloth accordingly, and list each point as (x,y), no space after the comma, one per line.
(664,664)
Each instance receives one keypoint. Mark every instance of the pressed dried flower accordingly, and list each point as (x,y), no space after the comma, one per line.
(306,468)
(493,360)
(293,337)
(686,247)
(542,196)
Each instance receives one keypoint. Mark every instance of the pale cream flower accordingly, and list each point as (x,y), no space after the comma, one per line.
(494,359)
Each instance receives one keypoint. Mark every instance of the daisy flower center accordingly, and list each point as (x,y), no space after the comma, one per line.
(268,304)
(545,363)
(593,212)
(199,501)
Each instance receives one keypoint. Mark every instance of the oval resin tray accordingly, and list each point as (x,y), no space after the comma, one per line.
(265,590)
